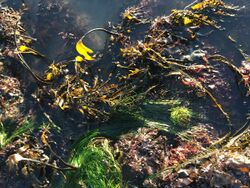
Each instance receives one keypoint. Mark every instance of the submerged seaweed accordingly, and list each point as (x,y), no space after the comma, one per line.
(142,99)
(96,164)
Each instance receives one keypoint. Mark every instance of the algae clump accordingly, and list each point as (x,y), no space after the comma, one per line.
(181,116)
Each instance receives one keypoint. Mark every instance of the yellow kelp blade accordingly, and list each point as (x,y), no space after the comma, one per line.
(197,6)
(49,77)
(27,50)
(79,59)
(187,21)
(62,104)
(84,50)
(134,72)
(127,16)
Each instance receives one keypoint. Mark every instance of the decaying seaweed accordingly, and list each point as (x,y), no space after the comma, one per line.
(10,91)
(8,20)
(148,152)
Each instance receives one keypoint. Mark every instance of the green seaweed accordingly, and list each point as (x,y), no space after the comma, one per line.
(7,136)
(3,136)
(181,116)
(96,164)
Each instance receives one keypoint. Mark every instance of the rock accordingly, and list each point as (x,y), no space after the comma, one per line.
(183,182)
(222,179)
(183,174)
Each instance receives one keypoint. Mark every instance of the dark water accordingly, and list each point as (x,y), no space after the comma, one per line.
(80,16)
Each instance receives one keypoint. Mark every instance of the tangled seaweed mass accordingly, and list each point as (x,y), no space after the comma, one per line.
(144,78)
(170,48)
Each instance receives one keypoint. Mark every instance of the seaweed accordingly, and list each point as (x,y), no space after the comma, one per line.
(130,100)
(7,137)
(181,116)
(144,65)
(95,162)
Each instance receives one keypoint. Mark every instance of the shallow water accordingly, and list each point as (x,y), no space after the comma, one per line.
(83,15)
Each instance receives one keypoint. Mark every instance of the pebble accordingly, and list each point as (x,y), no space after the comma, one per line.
(183,173)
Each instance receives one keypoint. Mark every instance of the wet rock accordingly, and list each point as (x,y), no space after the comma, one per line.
(183,182)
(183,173)
(222,179)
